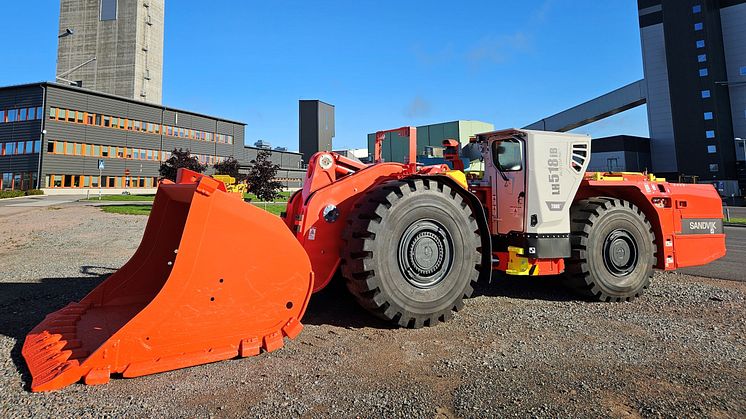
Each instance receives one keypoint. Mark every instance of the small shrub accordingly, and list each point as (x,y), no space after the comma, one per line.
(10,194)
(34,192)
(261,178)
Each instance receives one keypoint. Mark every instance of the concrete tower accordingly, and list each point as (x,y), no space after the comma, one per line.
(113,46)
(316,127)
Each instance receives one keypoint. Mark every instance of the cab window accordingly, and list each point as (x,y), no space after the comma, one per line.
(507,155)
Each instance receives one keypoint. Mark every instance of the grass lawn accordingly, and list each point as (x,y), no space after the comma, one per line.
(128,209)
(122,198)
(275,209)
(284,196)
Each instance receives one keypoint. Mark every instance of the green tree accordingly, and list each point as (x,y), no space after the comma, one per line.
(180,159)
(261,178)
(229,167)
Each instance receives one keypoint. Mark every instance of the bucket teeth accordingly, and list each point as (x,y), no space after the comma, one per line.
(52,349)
(249,347)
(273,342)
(292,328)
(45,352)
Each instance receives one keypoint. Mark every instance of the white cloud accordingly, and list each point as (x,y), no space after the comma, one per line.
(497,50)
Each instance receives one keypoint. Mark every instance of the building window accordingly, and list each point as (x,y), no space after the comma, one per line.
(697,9)
(710,134)
(712,149)
(705,94)
(714,168)
(108,9)
(698,26)
(703,72)
(700,43)
(708,116)
(702,58)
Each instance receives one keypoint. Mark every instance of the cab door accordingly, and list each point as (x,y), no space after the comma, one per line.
(510,188)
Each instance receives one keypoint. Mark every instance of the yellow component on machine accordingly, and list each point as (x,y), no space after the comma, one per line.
(519,264)
(599,176)
(653,178)
(619,176)
(459,177)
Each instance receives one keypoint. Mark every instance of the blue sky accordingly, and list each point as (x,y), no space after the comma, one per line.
(383,63)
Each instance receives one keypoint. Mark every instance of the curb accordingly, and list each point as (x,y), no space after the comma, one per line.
(19,197)
(116,203)
(734,225)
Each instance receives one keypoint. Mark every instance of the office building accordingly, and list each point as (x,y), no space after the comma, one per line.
(55,137)
(112,46)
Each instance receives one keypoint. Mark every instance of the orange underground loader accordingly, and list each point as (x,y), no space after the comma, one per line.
(409,241)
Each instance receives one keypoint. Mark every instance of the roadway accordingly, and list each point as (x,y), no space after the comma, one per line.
(736,212)
(733,265)
(14,206)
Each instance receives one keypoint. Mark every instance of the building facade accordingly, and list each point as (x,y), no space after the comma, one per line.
(113,46)
(694,55)
(65,139)
(429,139)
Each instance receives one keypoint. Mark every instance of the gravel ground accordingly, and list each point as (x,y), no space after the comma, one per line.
(519,348)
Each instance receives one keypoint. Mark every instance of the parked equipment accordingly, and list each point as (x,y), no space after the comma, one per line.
(232,185)
(410,242)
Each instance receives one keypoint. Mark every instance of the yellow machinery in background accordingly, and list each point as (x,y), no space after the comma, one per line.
(231,185)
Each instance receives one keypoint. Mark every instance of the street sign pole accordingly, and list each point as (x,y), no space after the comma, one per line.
(100,169)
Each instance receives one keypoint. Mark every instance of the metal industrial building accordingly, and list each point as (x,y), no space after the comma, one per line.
(113,46)
(53,137)
(621,153)
(429,138)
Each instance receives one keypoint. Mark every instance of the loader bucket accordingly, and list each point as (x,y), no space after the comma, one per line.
(213,278)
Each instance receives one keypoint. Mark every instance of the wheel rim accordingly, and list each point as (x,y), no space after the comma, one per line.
(620,253)
(425,253)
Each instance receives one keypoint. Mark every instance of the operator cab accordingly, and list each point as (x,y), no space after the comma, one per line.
(529,182)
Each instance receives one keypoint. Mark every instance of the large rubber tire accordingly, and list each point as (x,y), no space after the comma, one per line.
(412,252)
(613,250)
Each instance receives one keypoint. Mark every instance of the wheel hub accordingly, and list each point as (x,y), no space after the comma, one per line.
(620,253)
(425,253)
